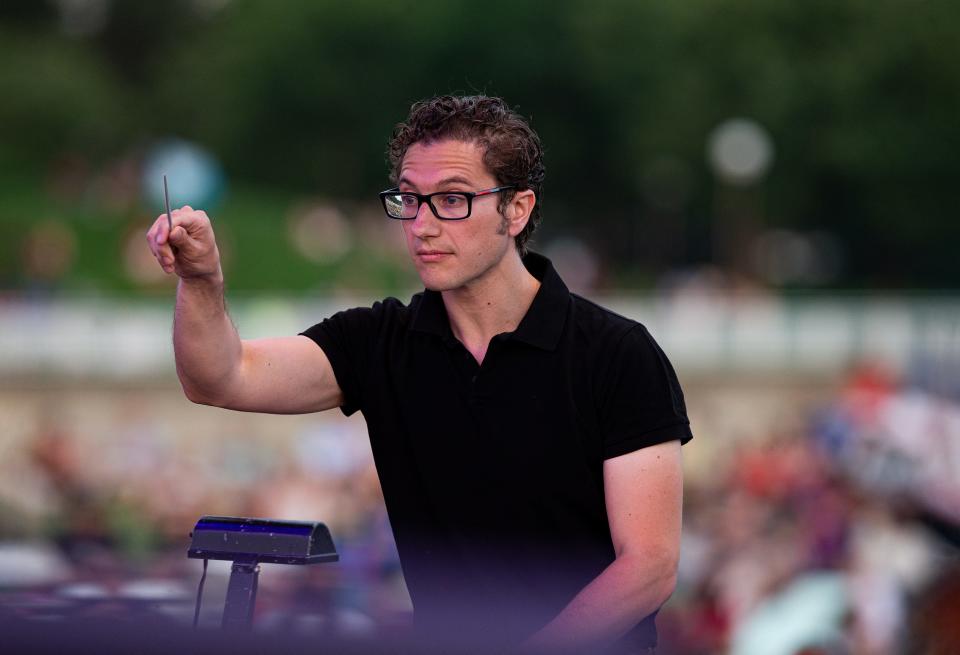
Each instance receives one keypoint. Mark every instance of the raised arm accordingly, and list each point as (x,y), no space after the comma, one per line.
(286,375)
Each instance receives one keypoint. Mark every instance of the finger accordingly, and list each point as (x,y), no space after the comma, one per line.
(178,236)
(153,237)
(158,240)
(160,229)
(188,218)
(163,255)
(168,265)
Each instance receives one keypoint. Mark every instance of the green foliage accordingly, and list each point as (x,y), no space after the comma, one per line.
(860,99)
(58,98)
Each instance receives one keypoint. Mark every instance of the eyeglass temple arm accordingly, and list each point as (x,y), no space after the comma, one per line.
(493,190)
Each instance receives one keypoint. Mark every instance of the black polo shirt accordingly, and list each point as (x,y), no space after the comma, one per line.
(493,475)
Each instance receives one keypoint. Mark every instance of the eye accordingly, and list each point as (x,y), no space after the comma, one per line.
(408,200)
(453,200)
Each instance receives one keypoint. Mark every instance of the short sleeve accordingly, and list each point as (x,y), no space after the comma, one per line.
(640,400)
(347,339)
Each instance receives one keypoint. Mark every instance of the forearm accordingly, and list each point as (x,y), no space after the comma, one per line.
(628,590)
(205,342)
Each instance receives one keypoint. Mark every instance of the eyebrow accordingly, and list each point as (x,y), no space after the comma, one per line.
(456,179)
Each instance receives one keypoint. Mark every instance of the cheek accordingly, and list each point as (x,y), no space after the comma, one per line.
(405,231)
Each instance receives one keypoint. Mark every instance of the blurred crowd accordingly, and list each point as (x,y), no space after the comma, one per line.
(95,517)
(835,534)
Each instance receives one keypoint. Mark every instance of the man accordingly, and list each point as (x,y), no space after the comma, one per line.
(527,440)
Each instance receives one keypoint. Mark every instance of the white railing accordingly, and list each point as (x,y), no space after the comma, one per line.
(124,339)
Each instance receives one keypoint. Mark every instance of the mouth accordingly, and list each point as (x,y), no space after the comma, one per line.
(431,255)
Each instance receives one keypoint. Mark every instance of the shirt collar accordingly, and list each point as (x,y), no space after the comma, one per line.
(541,326)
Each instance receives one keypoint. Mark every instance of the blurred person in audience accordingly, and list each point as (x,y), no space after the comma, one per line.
(527,440)
(803,502)
(78,525)
(935,621)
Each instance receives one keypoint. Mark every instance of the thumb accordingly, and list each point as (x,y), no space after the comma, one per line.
(178,235)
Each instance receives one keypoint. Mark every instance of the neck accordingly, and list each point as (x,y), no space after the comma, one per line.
(491,305)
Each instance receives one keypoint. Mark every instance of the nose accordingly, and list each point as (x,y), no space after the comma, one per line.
(425,225)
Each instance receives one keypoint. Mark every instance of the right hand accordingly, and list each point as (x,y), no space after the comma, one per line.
(190,249)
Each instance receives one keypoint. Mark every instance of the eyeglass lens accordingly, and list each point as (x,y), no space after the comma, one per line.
(445,205)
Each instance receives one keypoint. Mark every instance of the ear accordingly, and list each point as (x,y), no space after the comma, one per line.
(518,211)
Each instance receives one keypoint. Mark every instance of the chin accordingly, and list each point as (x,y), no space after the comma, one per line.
(439,280)
(434,283)
(432,278)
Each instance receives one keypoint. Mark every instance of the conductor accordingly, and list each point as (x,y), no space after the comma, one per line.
(527,440)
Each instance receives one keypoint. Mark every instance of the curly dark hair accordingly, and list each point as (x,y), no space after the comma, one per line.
(513,154)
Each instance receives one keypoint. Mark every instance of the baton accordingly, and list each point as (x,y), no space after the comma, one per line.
(166,200)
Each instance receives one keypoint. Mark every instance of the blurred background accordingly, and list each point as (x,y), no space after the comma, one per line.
(768,186)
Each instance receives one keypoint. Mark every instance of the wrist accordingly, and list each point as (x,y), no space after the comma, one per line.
(212,280)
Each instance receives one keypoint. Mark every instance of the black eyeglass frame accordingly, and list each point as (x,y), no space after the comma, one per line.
(428,198)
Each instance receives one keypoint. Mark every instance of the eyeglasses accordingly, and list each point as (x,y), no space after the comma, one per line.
(452,206)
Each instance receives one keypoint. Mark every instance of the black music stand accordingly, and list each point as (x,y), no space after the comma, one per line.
(248,543)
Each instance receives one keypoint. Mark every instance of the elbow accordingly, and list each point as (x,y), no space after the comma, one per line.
(668,584)
(669,563)
(658,582)
(196,395)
